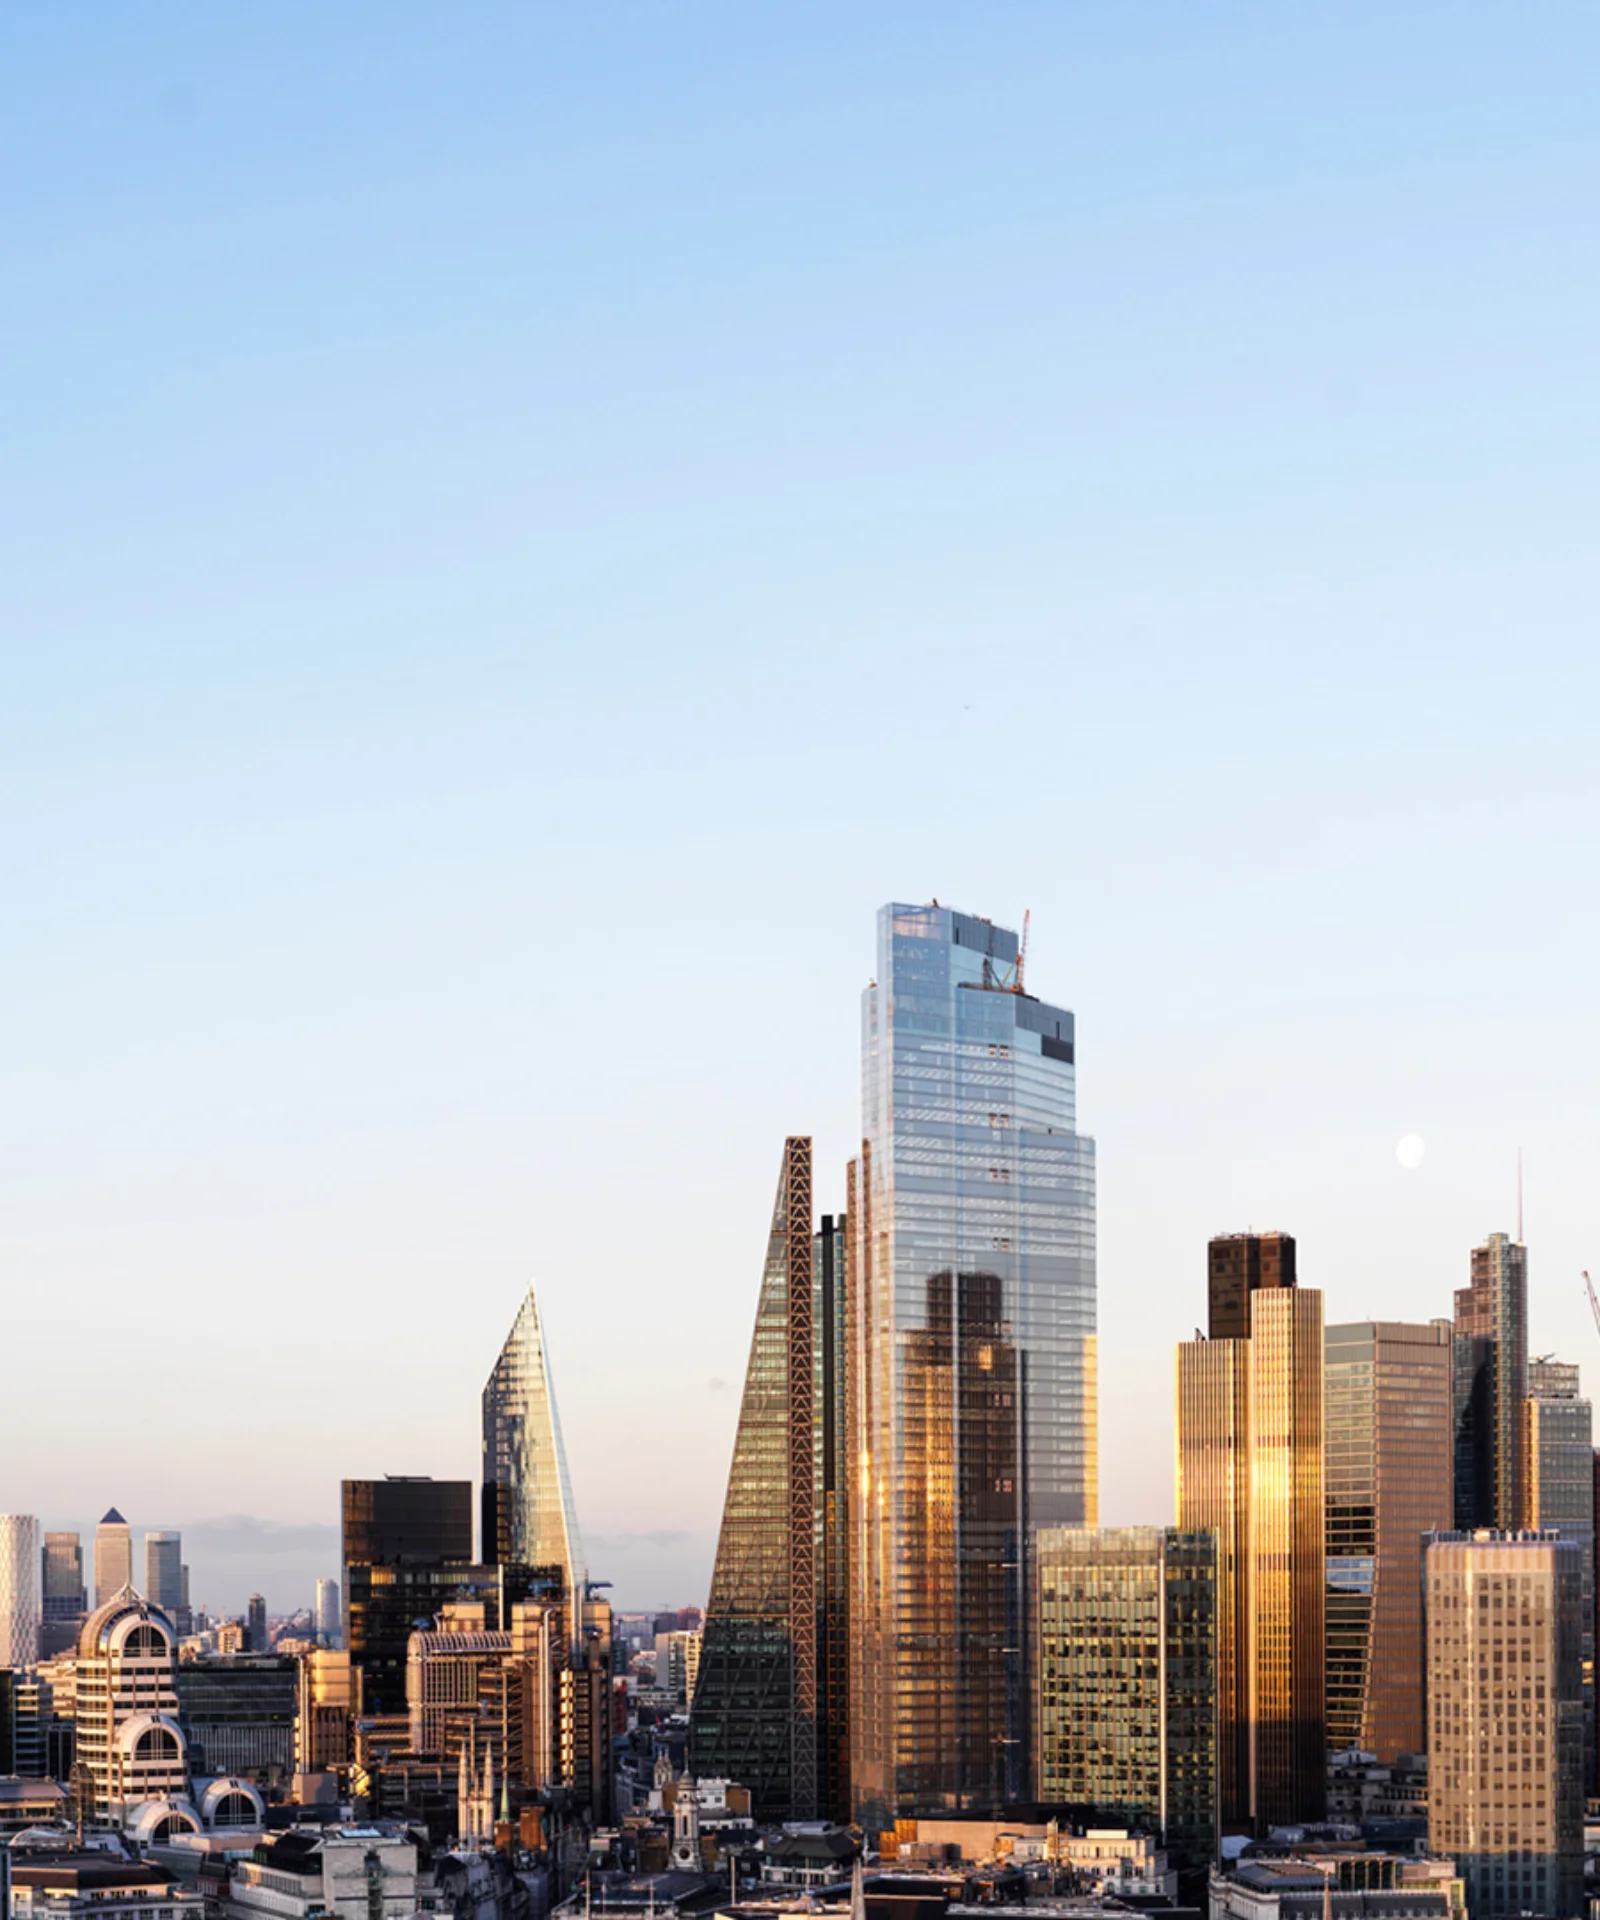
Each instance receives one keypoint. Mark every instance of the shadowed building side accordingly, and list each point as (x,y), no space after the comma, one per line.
(754,1717)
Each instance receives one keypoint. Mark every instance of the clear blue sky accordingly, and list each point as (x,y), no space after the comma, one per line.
(524,525)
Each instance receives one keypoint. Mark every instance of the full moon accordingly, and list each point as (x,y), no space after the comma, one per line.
(1410,1150)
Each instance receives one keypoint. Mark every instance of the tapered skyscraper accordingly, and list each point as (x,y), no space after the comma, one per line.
(766,1698)
(1491,1383)
(972,1351)
(528,1516)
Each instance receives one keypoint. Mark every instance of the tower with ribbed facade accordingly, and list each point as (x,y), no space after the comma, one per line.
(761,1712)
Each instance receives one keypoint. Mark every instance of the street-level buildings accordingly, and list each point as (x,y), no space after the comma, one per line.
(1505,1713)
(973,1391)
(1388,1466)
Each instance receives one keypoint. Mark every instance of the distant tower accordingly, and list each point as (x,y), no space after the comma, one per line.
(327,1616)
(19,1590)
(113,1557)
(255,1621)
(1491,1383)
(686,1826)
(163,1570)
(528,1515)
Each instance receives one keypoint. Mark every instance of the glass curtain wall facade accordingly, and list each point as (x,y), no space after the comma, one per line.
(113,1557)
(758,1701)
(407,1549)
(1505,1745)
(1250,1470)
(1491,1383)
(163,1570)
(19,1589)
(1126,1669)
(528,1514)
(1388,1464)
(1559,1450)
(973,1364)
(830,1268)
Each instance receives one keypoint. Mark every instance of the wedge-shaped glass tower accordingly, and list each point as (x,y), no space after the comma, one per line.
(528,1516)
(755,1716)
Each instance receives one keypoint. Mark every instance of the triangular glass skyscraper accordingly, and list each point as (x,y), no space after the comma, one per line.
(755,1709)
(528,1516)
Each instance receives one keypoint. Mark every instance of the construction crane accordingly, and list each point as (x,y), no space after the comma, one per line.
(1594,1304)
(1022,951)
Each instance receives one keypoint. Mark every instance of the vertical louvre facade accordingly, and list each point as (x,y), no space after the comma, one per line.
(830,1267)
(972,1327)
(1250,1470)
(1388,1465)
(1126,1669)
(758,1696)
(1559,1452)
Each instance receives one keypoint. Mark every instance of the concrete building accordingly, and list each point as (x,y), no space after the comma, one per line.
(113,1557)
(678,1663)
(1337,1886)
(1388,1471)
(445,1676)
(19,1590)
(347,1873)
(69,1884)
(1250,1470)
(1505,1708)
(129,1735)
(1126,1677)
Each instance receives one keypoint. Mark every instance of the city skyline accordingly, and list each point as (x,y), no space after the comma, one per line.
(391,805)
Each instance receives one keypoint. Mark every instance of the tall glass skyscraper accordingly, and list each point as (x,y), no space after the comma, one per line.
(528,1516)
(163,1570)
(19,1589)
(1387,1463)
(1491,1383)
(972,1346)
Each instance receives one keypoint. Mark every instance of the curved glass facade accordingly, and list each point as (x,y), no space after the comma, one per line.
(529,1518)
(972,1331)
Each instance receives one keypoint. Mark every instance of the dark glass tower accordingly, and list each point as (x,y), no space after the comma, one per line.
(407,1549)
(973,1364)
(1491,1383)
(1239,1265)
(770,1697)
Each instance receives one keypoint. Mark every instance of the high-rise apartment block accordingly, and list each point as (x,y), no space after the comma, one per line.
(1126,1670)
(19,1590)
(973,1418)
(1490,1385)
(1249,1444)
(163,1571)
(768,1684)
(1388,1465)
(113,1557)
(1505,1712)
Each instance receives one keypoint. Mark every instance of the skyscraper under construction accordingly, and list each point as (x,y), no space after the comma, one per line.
(769,1701)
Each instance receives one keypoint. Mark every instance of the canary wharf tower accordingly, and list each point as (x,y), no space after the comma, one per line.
(972,1339)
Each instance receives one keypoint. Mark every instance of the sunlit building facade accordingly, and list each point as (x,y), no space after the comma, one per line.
(1387,1461)
(130,1737)
(113,1557)
(1249,1469)
(1505,1720)
(1490,1385)
(1125,1665)
(163,1570)
(529,1518)
(973,1412)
